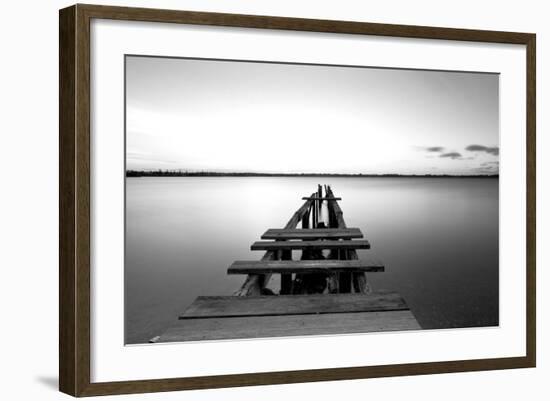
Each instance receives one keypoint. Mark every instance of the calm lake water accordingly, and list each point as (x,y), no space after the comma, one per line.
(438,238)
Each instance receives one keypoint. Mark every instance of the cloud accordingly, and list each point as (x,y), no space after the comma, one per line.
(480,148)
(452,155)
(434,149)
(491,167)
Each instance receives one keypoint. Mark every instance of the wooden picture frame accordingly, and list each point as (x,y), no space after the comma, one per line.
(74,199)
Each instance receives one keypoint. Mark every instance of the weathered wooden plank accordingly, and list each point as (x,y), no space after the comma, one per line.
(304,266)
(312,233)
(321,198)
(297,216)
(289,325)
(293,245)
(338,214)
(305,219)
(228,306)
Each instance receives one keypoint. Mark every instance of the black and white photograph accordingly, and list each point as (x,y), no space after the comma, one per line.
(273,199)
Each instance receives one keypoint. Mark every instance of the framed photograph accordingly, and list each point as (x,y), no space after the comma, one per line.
(250,200)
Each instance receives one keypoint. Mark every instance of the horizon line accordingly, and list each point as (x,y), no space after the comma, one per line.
(180,173)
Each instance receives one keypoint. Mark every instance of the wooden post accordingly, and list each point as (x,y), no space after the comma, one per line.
(344,279)
(319,202)
(333,283)
(344,283)
(302,215)
(286,284)
(360,283)
(305,220)
(255,283)
(286,279)
(314,208)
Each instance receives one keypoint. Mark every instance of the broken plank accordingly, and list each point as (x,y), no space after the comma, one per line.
(321,198)
(327,244)
(304,266)
(312,233)
(289,325)
(297,216)
(230,306)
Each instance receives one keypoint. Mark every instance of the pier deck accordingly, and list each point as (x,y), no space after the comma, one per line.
(297,245)
(304,266)
(230,306)
(324,292)
(289,325)
(312,233)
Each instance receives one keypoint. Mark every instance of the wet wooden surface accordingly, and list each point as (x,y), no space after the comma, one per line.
(312,233)
(288,325)
(294,245)
(304,266)
(231,306)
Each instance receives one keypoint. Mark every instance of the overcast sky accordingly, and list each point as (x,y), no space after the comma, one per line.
(268,117)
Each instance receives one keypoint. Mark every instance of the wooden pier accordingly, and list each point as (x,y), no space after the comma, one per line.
(326,291)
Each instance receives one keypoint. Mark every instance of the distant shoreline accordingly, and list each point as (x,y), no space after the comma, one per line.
(161,173)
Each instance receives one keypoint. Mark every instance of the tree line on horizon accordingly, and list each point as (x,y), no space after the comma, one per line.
(183,173)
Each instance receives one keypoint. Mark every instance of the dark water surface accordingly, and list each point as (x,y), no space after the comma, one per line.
(438,238)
